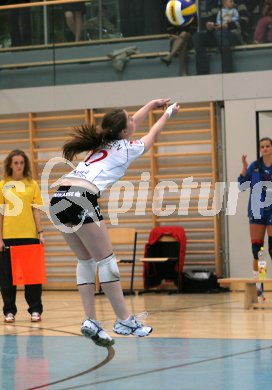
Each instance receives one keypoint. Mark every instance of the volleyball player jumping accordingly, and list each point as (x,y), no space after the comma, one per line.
(75,205)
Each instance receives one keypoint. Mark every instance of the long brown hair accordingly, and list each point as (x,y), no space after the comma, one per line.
(8,161)
(88,137)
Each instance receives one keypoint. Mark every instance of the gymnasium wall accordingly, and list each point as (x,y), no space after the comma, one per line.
(242,93)
(246,85)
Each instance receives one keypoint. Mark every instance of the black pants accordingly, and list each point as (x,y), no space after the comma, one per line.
(223,40)
(20,24)
(142,17)
(131,17)
(33,292)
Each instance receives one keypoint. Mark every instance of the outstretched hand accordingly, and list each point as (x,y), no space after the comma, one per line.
(160,102)
(173,109)
(244,161)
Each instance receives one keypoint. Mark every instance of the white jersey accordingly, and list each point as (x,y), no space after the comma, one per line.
(105,165)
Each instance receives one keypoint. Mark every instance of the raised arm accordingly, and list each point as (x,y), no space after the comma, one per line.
(150,137)
(142,113)
(244,165)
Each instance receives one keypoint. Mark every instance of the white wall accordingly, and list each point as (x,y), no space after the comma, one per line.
(134,93)
(114,94)
(265,123)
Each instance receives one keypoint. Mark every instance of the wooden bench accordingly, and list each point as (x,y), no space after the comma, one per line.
(250,297)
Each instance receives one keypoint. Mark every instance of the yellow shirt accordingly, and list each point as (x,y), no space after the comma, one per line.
(17,199)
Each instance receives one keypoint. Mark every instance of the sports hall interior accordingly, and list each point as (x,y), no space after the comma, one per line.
(207,340)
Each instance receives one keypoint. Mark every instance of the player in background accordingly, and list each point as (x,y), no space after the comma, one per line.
(253,177)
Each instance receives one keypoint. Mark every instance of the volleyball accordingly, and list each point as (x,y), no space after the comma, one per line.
(181,12)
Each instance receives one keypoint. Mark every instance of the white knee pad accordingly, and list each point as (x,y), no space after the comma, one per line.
(108,270)
(86,272)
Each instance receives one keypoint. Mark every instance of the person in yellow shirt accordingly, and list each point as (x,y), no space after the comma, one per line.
(20,224)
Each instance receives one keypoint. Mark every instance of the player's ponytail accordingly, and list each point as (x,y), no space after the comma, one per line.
(84,138)
(89,137)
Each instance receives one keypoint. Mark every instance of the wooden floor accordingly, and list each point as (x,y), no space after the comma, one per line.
(178,315)
(192,335)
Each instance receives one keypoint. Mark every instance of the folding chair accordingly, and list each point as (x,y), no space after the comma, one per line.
(125,237)
(164,258)
(124,240)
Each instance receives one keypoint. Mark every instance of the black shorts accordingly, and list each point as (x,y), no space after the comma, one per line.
(74,205)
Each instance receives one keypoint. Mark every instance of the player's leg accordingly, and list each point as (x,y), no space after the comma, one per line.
(86,276)
(66,213)
(96,240)
(93,236)
(85,273)
(257,233)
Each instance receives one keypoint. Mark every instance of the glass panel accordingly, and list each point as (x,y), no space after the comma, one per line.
(226,37)
(102,20)
(142,17)
(111,40)
(23,38)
